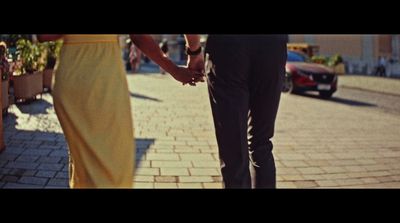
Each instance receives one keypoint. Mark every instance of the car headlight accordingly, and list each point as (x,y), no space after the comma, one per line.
(304,74)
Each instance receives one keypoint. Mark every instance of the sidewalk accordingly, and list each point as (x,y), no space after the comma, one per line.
(317,143)
(371,83)
(174,136)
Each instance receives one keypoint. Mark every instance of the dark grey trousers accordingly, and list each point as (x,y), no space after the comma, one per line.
(245,74)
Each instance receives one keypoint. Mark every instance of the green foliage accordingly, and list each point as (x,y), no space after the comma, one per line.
(11,41)
(30,55)
(328,61)
(319,59)
(53,49)
(335,60)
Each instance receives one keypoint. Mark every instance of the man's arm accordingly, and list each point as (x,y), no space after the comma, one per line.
(195,62)
(192,41)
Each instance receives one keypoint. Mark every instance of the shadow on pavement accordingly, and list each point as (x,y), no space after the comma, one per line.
(37,159)
(142,145)
(345,101)
(144,97)
(32,159)
(351,102)
(38,106)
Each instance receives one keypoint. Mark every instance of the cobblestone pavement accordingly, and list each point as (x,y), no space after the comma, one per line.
(318,143)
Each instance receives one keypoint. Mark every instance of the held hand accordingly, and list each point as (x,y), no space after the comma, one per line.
(186,76)
(196,63)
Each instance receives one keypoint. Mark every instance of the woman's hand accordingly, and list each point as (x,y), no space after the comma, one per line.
(186,76)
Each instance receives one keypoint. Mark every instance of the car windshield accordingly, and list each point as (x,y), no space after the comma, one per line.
(296,57)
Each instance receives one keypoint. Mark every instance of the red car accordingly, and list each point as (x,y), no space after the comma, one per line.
(303,75)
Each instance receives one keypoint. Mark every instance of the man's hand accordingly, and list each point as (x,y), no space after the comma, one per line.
(196,63)
(186,76)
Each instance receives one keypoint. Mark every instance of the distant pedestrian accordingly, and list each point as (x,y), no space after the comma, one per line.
(135,57)
(165,49)
(381,68)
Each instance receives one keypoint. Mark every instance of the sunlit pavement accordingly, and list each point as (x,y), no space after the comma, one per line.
(318,143)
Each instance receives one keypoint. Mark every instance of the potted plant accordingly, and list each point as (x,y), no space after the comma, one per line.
(28,82)
(53,50)
(337,63)
(319,59)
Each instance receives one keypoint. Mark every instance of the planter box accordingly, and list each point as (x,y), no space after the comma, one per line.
(4,94)
(48,79)
(27,86)
(339,69)
(2,143)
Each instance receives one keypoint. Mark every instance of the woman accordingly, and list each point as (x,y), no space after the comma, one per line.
(92,103)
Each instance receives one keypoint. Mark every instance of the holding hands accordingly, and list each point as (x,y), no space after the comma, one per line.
(194,71)
(191,74)
(185,75)
(196,64)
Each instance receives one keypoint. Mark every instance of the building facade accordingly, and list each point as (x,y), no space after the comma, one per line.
(360,52)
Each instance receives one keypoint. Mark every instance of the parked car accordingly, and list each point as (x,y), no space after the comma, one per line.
(303,75)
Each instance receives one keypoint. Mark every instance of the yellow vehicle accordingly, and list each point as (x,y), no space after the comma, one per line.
(308,49)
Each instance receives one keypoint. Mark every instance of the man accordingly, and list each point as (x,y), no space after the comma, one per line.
(381,70)
(244,75)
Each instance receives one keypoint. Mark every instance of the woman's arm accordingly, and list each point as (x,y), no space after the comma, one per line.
(49,37)
(149,47)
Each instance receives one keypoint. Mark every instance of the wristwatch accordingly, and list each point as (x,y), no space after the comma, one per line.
(193,53)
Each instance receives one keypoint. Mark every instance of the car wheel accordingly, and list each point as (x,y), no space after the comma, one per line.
(287,86)
(326,94)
